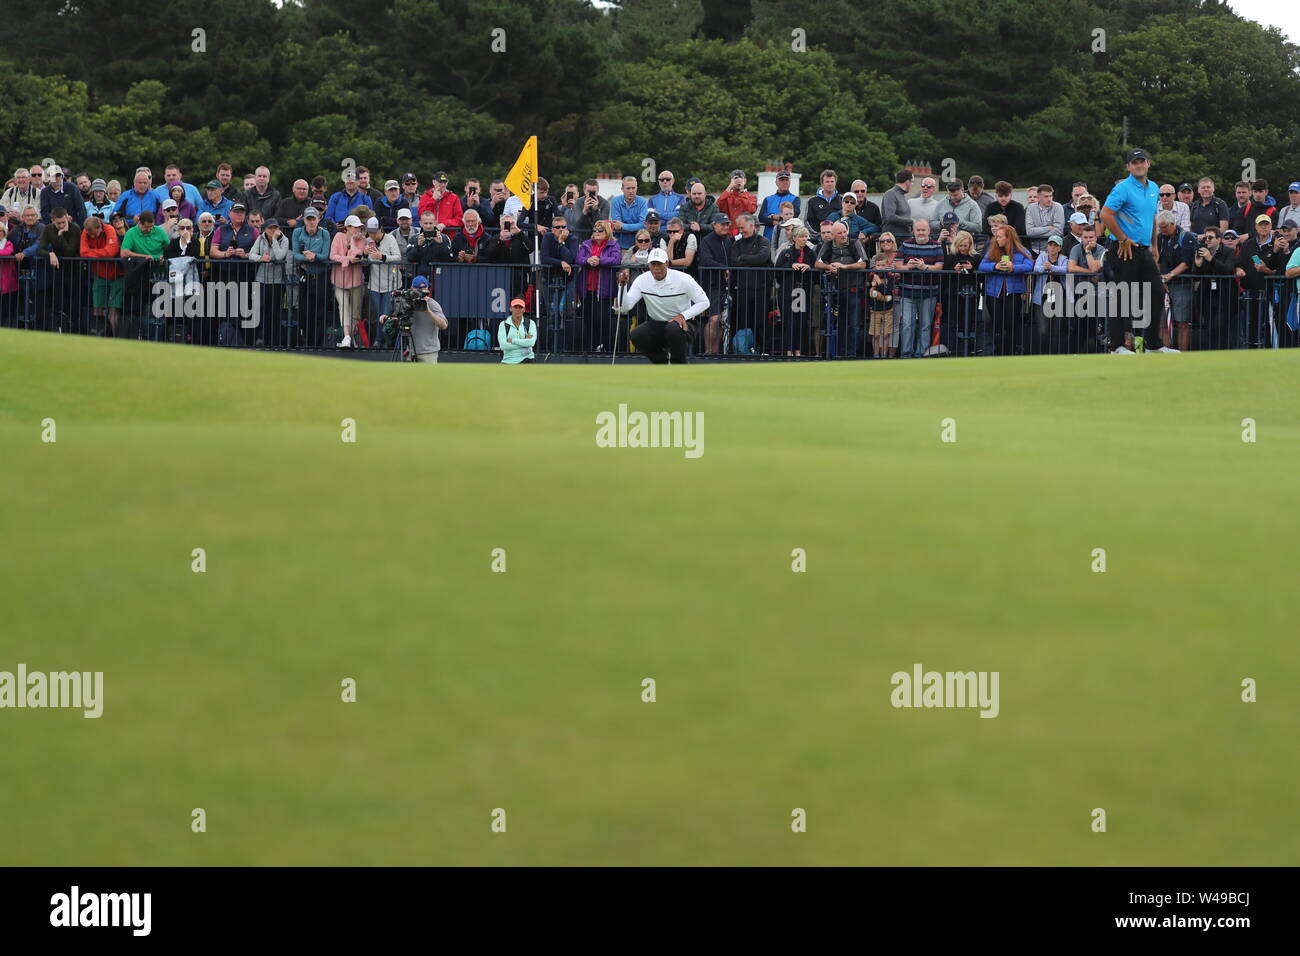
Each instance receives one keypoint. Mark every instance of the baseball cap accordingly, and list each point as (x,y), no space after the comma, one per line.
(1230,234)
(518,302)
(240,206)
(721,217)
(440,177)
(652,214)
(271,222)
(392,184)
(311,212)
(53,171)
(954,185)
(657,255)
(350,176)
(99,184)
(372,224)
(1056,239)
(410,178)
(1135,154)
(950,219)
(169,204)
(352,221)
(213,184)
(1079,218)
(739,172)
(1294,187)
(1264,218)
(1185,187)
(783,175)
(420,282)
(404,213)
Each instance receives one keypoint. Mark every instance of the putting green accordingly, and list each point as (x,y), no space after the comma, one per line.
(522,690)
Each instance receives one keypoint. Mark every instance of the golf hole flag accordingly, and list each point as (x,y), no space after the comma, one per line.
(523,175)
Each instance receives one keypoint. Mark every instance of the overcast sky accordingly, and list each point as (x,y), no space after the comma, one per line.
(1272,13)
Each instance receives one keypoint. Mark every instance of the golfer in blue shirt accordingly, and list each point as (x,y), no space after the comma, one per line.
(1130,214)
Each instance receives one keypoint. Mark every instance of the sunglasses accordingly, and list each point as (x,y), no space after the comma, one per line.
(674,232)
(887,242)
(665,179)
(1166,195)
(643,242)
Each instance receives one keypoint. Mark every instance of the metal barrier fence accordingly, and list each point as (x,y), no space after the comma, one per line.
(753,311)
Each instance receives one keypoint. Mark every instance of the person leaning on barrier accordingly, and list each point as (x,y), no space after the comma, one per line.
(1216,264)
(471,240)
(672,300)
(516,335)
(385,255)
(8,278)
(513,248)
(271,252)
(800,257)
(426,323)
(959,293)
(883,298)
(60,241)
(843,259)
(311,256)
(430,247)
(100,242)
(715,255)
(1176,249)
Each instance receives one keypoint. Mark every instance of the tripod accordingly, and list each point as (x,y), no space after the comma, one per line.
(404,348)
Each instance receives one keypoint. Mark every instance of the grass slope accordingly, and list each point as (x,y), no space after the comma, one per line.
(521,690)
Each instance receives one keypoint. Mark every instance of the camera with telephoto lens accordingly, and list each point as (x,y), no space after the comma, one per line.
(405,302)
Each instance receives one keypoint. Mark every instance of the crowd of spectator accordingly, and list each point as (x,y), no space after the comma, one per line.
(956,269)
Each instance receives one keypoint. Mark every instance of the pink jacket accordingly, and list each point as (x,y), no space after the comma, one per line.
(8,269)
(345,275)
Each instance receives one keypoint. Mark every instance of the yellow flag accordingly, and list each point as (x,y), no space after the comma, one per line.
(523,174)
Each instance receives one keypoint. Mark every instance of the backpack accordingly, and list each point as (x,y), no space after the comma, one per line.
(742,342)
(478,340)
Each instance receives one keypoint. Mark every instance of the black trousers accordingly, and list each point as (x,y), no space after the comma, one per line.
(662,341)
(1141,268)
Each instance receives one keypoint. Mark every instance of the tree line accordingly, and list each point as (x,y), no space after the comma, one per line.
(1027,91)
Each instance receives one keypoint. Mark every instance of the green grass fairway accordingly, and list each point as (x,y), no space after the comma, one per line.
(479,690)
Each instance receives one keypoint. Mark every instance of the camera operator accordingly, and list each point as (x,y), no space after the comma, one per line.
(426,323)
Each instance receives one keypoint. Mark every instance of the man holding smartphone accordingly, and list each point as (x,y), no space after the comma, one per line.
(592,208)
(736,200)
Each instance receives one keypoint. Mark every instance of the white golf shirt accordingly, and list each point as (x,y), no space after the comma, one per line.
(676,293)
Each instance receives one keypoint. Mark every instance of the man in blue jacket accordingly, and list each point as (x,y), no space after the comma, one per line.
(346,199)
(769,213)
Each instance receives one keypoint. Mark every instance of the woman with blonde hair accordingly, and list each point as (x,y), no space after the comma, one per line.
(960,295)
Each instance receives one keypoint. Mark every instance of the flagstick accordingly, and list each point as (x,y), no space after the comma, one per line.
(537,261)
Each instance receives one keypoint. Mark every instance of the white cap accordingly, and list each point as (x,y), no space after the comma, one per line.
(352,221)
(404,213)
(657,255)
(371,224)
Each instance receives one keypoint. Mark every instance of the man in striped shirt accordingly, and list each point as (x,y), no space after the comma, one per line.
(672,301)
(919,292)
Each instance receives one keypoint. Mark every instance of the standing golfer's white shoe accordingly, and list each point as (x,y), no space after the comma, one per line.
(1165,348)
(1123,351)
(346,343)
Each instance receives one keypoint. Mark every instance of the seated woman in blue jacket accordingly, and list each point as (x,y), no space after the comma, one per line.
(1007,262)
(517,335)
